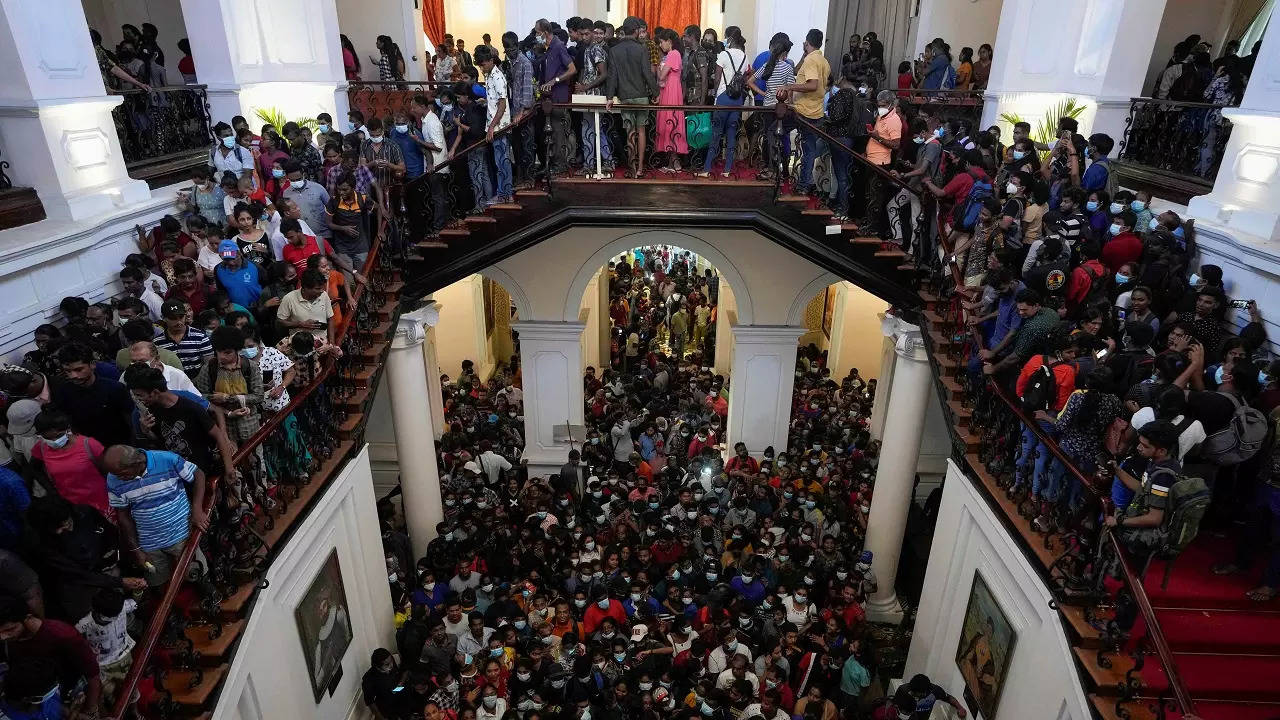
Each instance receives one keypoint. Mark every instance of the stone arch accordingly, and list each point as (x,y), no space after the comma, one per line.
(627,240)
(795,314)
(518,297)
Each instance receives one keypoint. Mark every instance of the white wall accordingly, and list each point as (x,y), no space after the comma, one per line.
(43,262)
(106,16)
(962,23)
(364,20)
(1042,680)
(1210,19)
(855,332)
(460,332)
(268,678)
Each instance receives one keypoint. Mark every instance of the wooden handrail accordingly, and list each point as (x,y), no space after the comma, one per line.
(1177,103)
(1163,651)
(511,126)
(857,156)
(151,638)
(1045,438)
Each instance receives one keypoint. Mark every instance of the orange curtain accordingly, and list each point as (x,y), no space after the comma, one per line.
(433,21)
(674,14)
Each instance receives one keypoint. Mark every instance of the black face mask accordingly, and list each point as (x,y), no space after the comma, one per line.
(709,44)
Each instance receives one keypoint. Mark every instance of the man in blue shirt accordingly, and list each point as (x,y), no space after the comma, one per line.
(1096,177)
(409,138)
(237,275)
(146,487)
(558,69)
(14,500)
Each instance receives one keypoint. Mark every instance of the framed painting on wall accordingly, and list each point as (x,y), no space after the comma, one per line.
(829,311)
(986,646)
(324,625)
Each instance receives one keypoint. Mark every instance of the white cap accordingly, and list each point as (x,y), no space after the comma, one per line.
(638,632)
(472,466)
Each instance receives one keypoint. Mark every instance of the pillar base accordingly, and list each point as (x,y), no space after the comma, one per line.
(888,611)
(1246,193)
(69,152)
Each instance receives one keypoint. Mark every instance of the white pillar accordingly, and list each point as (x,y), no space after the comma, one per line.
(895,474)
(793,17)
(763,374)
(432,364)
(726,318)
(551,355)
(58,135)
(282,54)
(415,439)
(1246,194)
(884,385)
(1099,54)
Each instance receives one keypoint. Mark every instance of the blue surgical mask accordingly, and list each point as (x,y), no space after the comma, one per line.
(1087,152)
(402,129)
(1121,279)
(1091,206)
(940,133)
(1116,207)
(250,352)
(1194,279)
(59,442)
(375,139)
(1114,229)
(1138,206)
(352,126)
(1177,232)
(323,128)
(1153,224)
(277,173)
(228,142)
(1218,375)
(919,140)
(1019,154)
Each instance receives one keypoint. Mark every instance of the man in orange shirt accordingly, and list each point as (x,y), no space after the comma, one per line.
(884,139)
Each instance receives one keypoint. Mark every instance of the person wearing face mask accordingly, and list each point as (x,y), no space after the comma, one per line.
(70,460)
(928,160)
(1123,246)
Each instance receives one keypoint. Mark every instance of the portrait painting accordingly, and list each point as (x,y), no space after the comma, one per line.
(986,645)
(324,625)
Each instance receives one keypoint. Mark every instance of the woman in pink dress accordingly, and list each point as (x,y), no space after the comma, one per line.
(670,127)
(350,61)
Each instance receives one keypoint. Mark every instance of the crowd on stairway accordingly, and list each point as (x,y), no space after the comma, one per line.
(654,574)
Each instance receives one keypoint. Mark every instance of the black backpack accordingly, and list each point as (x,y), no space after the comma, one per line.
(861,117)
(1041,389)
(736,88)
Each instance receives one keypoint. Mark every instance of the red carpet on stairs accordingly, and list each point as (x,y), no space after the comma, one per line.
(1230,631)
(1220,677)
(1193,584)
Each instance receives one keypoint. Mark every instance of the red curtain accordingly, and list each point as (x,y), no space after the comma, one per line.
(433,21)
(673,14)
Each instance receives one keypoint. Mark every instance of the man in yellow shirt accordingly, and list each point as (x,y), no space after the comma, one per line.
(812,76)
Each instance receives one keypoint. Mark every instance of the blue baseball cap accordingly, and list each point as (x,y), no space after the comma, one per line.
(228,249)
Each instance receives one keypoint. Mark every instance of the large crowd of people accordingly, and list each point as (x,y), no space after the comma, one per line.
(659,572)
(655,573)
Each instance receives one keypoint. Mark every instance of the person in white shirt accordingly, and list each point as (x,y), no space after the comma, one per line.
(768,707)
(106,628)
(718,660)
(737,670)
(492,465)
(499,115)
(145,351)
(1171,406)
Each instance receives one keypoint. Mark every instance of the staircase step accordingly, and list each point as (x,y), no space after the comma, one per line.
(387,309)
(818,212)
(963,415)
(532,193)
(935,318)
(866,240)
(510,207)
(480,220)
(1210,676)
(234,604)
(896,254)
(179,685)
(355,401)
(950,366)
(793,198)
(954,388)
(1144,708)
(942,342)
(348,428)
(1088,636)
(432,245)
(1231,631)
(381,331)
(371,352)
(214,648)
(363,376)
(456,232)
(392,289)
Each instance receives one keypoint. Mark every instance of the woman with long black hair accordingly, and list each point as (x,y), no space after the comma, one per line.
(350,60)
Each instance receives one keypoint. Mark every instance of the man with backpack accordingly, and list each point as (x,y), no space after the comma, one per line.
(1234,431)
(1167,505)
(1088,287)
(1044,386)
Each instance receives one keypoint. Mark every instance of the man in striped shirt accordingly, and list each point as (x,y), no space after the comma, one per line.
(192,346)
(146,487)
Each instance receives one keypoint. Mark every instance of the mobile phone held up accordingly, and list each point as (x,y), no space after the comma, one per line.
(1239,304)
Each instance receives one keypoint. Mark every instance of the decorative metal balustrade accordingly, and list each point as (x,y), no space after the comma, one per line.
(1183,139)
(280,470)
(384,99)
(964,105)
(163,131)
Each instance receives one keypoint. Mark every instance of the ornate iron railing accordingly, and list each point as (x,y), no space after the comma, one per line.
(384,99)
(163,125)
(1084,551)
(294,448)
(959,104)
(1183,138)
(5,182)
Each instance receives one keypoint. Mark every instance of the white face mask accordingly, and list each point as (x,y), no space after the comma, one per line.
(882,111)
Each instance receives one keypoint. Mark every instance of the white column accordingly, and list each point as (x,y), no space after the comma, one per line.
(895,474)
(282,54)
(1246,195)
(522,14)
(763,374)
(884,385)
(1100,53)
(726,318)
(793,17)
(58,135)
(551,355)
(415,439)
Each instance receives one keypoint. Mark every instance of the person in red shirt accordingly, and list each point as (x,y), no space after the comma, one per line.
(1088,272)
(188,285)
(741,464)
(603,607)
(28,638)
(957,189)
(666,551)
(1124,246)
